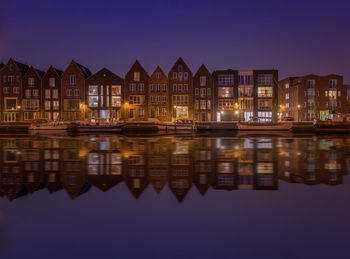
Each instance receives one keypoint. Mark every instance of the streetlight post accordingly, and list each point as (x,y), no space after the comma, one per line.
(298,111)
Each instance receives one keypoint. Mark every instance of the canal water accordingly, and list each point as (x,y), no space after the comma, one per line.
(203,196)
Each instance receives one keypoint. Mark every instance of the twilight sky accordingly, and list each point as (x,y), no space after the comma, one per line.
(296,37)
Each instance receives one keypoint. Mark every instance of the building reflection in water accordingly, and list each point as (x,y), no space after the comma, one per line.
(31,163)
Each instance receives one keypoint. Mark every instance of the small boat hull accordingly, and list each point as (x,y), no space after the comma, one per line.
(264,127)
(329,127)
(95,128)
(39,127)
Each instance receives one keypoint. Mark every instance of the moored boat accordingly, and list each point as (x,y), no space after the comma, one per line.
(264,126)
(332,126)
(98,127)
(47,125)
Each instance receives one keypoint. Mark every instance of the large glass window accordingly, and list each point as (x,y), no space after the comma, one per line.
(93,90)
(245,79)
(116,100)
(116,90)
(225,104)
(245,92)
(225,92)
(265,79)
(93,101)
(264,104)
(225,79)
(265,91)
(93,96)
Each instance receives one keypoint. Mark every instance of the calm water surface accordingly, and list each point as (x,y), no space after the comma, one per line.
(108,196)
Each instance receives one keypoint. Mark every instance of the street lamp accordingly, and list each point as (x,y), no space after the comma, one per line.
(298,111)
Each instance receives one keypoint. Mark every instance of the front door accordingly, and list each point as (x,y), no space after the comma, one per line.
(11,116)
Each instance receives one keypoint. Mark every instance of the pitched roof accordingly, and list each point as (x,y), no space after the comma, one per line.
(84,70)
(137,65)
(59,72)
(105,71)
(24,68)
(40,72)
(202,68)
(182,62)
(158,70)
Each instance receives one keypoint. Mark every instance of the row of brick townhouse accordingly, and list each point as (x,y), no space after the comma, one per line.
(223,95)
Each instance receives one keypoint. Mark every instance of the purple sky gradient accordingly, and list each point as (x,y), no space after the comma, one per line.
(296,37)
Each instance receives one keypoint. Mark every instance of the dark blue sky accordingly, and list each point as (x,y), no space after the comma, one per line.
(296,37)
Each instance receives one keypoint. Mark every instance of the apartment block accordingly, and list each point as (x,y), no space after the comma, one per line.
(312,97)
(245,95)
(225,95)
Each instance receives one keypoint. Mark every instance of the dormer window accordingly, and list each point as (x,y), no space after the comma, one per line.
(180,68)
(158,75)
